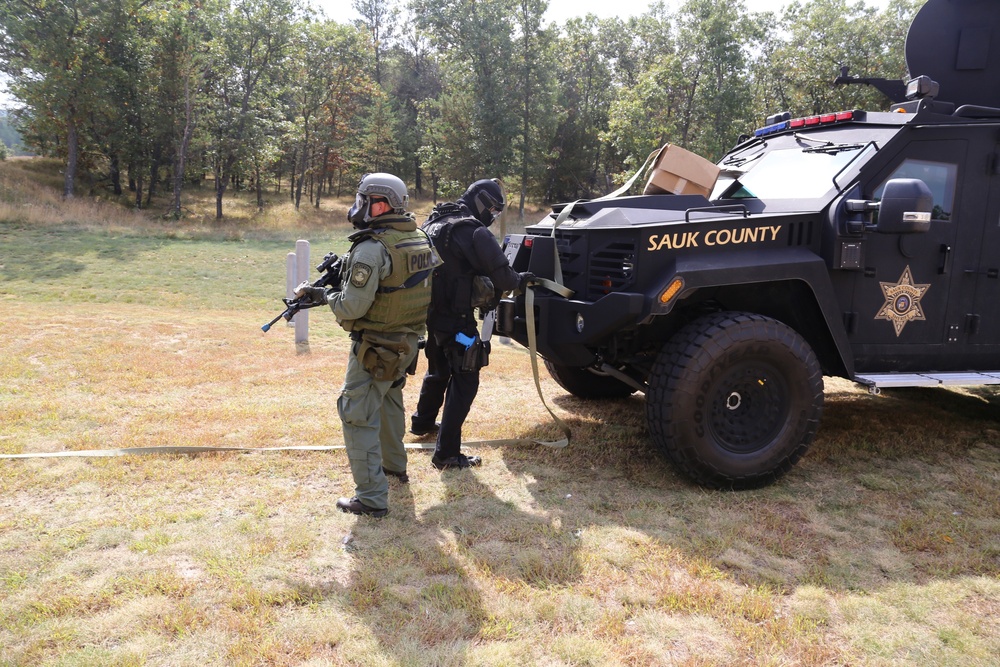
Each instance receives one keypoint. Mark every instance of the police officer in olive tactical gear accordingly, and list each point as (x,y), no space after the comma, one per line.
(473,275)
(386,289)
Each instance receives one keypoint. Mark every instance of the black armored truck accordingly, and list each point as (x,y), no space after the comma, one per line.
(857,244)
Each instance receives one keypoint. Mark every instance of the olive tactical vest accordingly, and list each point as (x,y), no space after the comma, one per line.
(403,296)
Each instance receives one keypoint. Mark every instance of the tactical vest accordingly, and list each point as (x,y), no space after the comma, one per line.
(451,308)
(402,298)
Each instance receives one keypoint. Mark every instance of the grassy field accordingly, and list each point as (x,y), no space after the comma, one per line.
(882,547)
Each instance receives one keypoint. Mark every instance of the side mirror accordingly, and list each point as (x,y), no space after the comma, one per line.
(905,207)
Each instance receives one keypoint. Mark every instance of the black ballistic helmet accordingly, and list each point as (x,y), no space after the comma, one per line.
(485,199)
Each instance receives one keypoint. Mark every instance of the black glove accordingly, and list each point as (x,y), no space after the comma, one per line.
(310,296)
(523,280)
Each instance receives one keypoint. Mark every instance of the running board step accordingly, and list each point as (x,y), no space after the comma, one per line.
(959,379)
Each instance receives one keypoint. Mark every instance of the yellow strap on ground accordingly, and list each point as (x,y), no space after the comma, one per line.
(136,451)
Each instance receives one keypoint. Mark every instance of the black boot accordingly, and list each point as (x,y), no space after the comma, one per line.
(460,461)
(421,430)
(401,476)
(355,506)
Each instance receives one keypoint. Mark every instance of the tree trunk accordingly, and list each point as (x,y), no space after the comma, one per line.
(302,163)
(524,166)
(220,189)
(154,173)
(72,150)
(321,181)
(138,191)
(116,175)
(260,191)
(183,148)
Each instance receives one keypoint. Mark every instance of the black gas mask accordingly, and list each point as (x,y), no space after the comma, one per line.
(359,213)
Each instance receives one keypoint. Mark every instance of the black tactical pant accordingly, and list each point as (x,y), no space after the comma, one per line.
(446,383)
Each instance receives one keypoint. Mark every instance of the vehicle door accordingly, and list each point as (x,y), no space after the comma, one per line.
(903,305)
(983,322)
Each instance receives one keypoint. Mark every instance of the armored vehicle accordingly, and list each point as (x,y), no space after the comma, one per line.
(864,245)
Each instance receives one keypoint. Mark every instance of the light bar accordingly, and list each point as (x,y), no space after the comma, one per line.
(809,121)
(771,129)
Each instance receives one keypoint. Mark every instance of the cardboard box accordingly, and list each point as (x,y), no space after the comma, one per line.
(681,172)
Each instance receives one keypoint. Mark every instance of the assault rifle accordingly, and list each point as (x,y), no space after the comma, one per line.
(330,268)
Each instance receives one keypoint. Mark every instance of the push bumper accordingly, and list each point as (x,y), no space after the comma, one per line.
(569,332)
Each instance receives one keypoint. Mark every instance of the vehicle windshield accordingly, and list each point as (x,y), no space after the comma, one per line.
(804,171)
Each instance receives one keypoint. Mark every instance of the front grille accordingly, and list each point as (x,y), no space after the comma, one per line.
(597,271)
(611,269)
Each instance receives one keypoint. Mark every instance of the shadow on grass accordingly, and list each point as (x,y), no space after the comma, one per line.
(896,488)
(414,579)
(859,513)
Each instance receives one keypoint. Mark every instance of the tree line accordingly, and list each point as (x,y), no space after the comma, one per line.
(140,95)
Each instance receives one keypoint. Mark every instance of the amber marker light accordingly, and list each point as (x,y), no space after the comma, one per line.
(673,289)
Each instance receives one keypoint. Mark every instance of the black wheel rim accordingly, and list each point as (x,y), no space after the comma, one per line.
(748,407)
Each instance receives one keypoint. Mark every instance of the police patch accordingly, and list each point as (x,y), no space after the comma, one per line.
(360,274)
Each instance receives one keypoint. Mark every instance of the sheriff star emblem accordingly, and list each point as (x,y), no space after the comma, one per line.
(902,301)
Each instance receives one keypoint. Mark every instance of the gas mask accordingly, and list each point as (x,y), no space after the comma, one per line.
(359,213)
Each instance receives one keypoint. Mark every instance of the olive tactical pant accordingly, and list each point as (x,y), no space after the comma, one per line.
(374,422)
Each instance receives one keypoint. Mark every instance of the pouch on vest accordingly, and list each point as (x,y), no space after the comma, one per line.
(382,355)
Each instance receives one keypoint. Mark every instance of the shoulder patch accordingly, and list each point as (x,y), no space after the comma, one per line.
(360,273)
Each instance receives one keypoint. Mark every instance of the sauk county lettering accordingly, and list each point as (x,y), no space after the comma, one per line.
(680,240)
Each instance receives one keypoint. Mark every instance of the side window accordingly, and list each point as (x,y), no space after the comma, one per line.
(940,178)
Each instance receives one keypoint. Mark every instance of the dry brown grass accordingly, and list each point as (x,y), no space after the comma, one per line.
(881,548)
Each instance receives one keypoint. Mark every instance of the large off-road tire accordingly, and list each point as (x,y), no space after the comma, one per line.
(585,383)
(734,400)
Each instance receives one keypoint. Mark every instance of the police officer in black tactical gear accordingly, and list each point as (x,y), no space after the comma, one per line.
(473,275)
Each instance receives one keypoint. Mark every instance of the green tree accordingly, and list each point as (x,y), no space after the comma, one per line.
(533,63)
(576,164)
(183,68)
(55,54)
(446,124)
(475,40)
(316,72)
(822,36)
(697,94)
(8,134)
(414,75)
(350,93)
(634,44)
(714,41)
(377,142)
(245,84)
(379,18)
(646,107)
